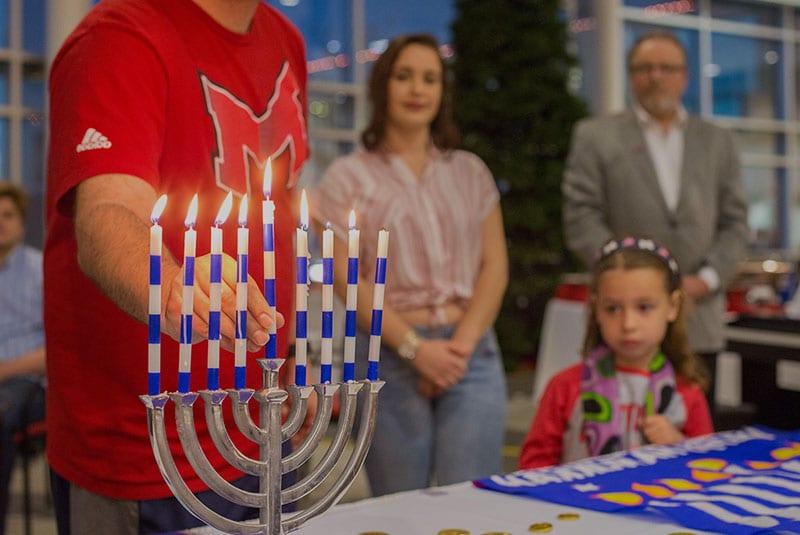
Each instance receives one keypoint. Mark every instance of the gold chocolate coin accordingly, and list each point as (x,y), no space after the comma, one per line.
(453,531)
(541,527)
(568,516)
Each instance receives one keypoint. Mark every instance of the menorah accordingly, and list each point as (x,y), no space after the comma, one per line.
(269,435)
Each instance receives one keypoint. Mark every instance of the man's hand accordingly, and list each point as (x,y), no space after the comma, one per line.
(259,317)
(658,430)
(694,287)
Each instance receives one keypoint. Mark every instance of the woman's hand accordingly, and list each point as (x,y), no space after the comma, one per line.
(437,362)
(658,430)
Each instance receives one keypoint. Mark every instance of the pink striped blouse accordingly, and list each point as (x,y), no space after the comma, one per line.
(435,221)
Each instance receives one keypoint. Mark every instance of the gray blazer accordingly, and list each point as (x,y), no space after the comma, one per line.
(610,190)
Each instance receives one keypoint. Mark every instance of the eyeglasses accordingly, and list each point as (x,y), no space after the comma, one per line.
(663,68)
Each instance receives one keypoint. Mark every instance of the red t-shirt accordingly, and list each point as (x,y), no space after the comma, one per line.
(544,444)
(157,89)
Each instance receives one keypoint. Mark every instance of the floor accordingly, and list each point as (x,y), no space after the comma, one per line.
(520,412)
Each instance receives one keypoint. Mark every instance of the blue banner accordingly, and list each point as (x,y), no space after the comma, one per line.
(745,481)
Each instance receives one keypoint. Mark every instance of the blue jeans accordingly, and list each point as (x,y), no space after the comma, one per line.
(21,403)
(455,437)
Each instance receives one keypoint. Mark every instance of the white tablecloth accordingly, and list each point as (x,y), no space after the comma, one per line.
(425,512)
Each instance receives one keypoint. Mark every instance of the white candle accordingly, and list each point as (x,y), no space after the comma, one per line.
(154,302)
(187,307)
(353,233)
(268,222)
(301,293)
(327,305)
(377,306)
(215,292)
(240,343)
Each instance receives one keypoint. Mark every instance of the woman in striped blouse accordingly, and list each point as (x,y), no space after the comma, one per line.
(442,412)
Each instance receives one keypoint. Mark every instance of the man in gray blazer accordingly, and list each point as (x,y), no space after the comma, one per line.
(654,171)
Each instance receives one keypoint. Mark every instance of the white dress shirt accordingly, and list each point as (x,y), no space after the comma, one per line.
(666,152)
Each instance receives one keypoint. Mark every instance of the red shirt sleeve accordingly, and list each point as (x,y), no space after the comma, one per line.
(544,444)
(100,95)
(698,417)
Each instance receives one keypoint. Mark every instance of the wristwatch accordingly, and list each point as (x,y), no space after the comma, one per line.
(408,347)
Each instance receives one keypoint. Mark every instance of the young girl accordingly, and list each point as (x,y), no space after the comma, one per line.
(639,383)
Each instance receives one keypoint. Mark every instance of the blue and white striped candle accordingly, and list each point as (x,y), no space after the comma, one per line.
(189,248)
(240,343)
(154,302)
(215,292)
(301,294)
(326,351)
(377,306)
(352,300)
(268,222)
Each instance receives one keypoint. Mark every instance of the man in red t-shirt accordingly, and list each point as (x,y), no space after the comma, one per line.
(150,97)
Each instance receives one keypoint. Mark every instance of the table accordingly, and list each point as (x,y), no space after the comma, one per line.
(770,354)
(479,511)
(425,512)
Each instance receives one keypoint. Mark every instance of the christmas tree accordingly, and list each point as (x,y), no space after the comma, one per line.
(514,109)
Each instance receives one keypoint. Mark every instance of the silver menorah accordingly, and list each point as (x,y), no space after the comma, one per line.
(269,435)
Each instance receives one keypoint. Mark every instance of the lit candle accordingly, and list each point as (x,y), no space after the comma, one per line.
(327,305)
(215,292)
(301,293)
(268,220)
(352,300)
(189,247)
(154,302)
(377,306)
(240,344)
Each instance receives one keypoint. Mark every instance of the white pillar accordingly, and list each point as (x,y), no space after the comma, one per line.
(62,17)
(612,56)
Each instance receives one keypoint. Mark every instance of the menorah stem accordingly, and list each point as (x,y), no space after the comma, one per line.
(270,401)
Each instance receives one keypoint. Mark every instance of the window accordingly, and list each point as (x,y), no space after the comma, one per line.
(747,76)
(750,12)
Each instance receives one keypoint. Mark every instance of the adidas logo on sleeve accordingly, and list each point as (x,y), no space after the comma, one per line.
(93,139)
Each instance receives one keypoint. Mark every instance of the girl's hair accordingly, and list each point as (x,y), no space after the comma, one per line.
(444,133)
(675,345)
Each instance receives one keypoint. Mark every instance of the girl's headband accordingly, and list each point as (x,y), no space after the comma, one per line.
(649,246)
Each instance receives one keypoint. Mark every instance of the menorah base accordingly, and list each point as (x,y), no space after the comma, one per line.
(270,433)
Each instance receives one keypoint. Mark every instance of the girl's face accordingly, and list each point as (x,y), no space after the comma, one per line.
(415,87)
(633,309)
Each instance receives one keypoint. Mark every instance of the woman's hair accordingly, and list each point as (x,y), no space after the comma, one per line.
(444,133)
(675,345)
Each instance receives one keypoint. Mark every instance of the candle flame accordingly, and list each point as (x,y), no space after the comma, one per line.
(243,210)
(304,210)
(266,185)
(351,221)
(191,215)
(158,208)
(224,209)
(328,225)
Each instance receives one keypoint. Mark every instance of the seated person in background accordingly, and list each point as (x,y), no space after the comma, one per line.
(639,383)
(21,332)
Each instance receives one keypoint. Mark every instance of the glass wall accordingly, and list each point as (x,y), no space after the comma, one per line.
(743,72)
(23,43)
(343,38)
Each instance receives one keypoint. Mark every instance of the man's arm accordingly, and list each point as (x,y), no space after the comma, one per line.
(585,226)
(29,363)
(112,231)
(730,242)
